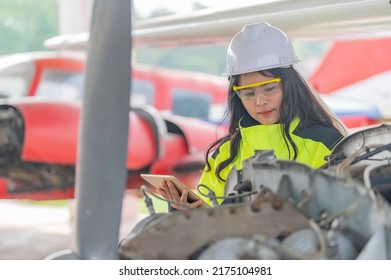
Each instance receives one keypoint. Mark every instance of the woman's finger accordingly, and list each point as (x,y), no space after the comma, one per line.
(173,191)
(163,193)
(164,187)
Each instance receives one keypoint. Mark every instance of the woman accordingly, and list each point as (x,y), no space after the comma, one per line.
(270,106)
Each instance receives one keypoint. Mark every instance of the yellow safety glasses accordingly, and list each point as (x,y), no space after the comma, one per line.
(249,91)
(275,80)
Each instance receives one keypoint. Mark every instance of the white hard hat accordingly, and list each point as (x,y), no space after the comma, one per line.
(258,47)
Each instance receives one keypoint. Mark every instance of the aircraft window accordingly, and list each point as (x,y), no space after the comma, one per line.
(143,92)
(61,85)
(14,80)
(190,103)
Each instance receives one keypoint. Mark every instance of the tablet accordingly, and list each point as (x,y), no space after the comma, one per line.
(155,181)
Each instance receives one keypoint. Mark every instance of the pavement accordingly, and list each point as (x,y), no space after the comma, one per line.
(30,231)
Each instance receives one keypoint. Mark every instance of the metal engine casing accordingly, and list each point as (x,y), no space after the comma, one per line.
(288,211)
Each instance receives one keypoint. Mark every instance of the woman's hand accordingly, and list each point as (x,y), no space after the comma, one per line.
(168,190)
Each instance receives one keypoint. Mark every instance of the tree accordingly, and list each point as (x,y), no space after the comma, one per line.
(26,24)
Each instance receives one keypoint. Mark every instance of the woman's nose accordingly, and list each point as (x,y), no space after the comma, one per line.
(260,99)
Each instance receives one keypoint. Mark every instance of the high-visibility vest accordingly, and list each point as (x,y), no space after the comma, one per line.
(313,144)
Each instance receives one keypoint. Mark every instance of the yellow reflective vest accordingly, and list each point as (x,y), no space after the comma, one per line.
(313,144)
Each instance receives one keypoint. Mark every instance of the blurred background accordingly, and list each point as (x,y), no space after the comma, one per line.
(32,229)
(26,24)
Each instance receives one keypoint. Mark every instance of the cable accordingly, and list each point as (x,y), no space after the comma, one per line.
(367,177)
(317,255)
(348,161)
(147,200)
(373,152)
(211,195)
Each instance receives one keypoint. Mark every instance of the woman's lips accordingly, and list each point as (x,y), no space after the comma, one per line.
(265,113)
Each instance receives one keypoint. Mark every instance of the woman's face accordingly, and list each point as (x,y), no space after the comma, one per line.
(263,101)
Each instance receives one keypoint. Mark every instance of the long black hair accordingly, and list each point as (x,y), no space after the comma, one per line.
(298,101)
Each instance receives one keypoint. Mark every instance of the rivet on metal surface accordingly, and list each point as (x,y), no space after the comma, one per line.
(304,199)
(159,227)
(232,210)
(256,204)
(277,203)
(211,212)
(129,246)
(188,214)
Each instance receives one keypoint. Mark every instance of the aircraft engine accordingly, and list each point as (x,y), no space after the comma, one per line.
(11,133)
(275,209)
(26,176)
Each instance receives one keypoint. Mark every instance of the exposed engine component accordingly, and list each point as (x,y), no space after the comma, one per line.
(240,248)
(11,134)
(366,156)
(372,143)
(26,176)
(291,212)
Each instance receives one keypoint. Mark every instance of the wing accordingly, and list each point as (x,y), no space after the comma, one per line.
(320,19)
